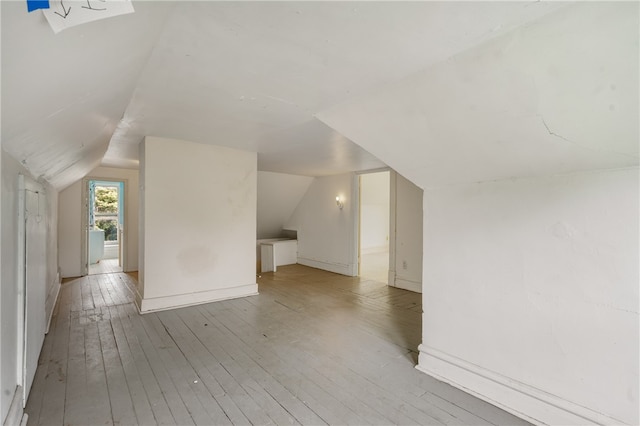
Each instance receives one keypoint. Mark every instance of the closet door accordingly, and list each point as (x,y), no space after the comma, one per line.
(33,264)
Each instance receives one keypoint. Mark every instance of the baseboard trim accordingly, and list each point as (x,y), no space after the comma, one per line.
(52,299)
(408,285)
(524,401)
(338,268)
(15,415)
(155,304)
(138,300)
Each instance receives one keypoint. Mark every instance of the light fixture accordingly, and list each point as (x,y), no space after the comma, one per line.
(339,202)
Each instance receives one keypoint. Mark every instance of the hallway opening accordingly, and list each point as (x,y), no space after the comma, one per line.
(374,226)
(104,226)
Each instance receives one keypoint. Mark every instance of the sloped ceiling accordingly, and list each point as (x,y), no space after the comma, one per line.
(63,95)
(278,196)
(559,95)
(270,77)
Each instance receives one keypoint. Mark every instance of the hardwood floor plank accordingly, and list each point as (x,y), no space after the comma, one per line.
(97,392)
(102,285)
(205,365)
(281,405)
(298,360)
(140,402)
(76,408)
(238,393)
(122,411)
(118,288)
(438,413)
(154,354)
(184,378)
(87,297)
(312,348)
(293,378)
(96,293)
(105,266)
(156,397)
(182,355)
(168,392)
(75,296)
(339,377)
(45,363)
(55,382)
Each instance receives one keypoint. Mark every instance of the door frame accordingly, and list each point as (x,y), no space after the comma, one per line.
(22,299)
(25,331)
(356,218)
(84,222)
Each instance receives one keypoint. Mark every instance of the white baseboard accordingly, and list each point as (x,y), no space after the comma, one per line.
(407,285)
(50,303)
(146,305)
(338,268)
(15,415)
(524,401)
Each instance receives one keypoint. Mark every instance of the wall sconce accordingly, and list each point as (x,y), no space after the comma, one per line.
(339,202)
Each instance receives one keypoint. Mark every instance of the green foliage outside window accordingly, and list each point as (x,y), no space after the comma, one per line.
(106,200)
(110,228)
(106,203)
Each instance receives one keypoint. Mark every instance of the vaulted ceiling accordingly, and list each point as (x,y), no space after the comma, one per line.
(305,84)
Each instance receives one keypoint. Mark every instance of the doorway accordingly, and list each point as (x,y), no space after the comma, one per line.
(375,195)
(104,230)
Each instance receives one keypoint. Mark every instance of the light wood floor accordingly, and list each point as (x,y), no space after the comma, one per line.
(312,348)
(105,266)
(374,265)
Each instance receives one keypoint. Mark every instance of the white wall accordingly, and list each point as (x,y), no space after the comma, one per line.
(10,368)
(326,234)
(405,269)
(3,410)
(374,210)
(554,97)
(9,272)
(537,283)
(199,223)
(70,212)
(278,196)
(52,268)
(141,222)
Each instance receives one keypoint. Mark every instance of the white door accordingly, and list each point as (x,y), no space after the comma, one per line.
(33,264)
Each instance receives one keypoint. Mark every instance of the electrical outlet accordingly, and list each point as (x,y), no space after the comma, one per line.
(404,264)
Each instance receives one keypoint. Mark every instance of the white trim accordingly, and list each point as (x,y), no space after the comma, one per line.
(50,303)
(405,284)
(357,249)
(84,228)
(15,415)
(338,268)
(84,223)
(21,284)
(354,243)
(393,226)
(520,399)
(146,305)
